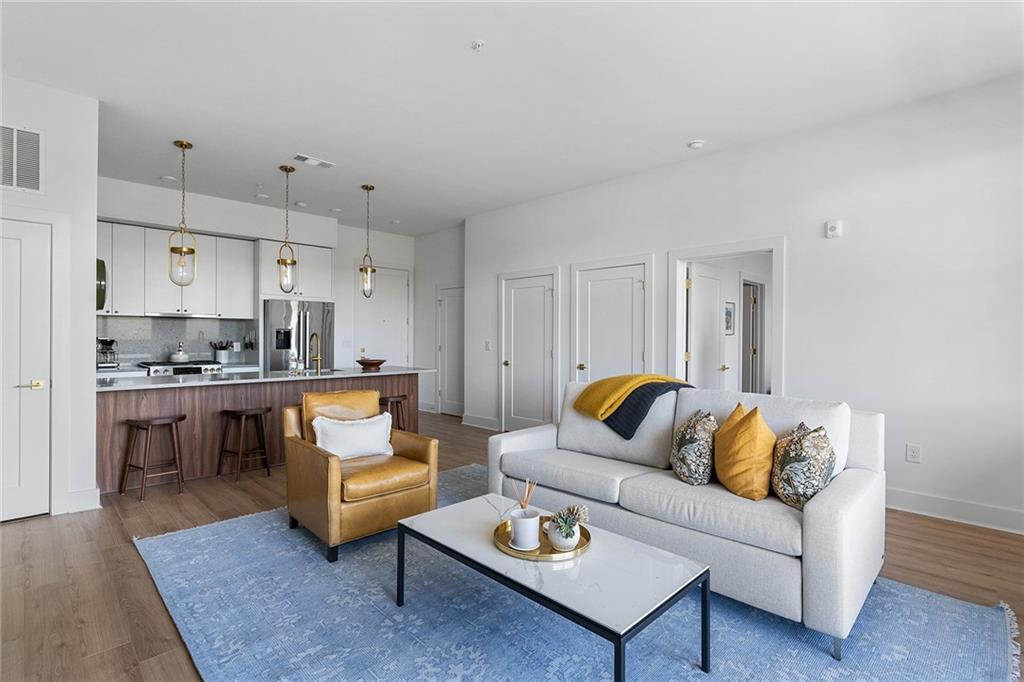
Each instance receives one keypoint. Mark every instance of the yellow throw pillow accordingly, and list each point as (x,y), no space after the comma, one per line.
(743,454)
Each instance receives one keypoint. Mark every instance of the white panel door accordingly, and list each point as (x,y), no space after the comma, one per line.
(200,297)
(104,252)
(528,351)
(162,295)
(382,321)
(611,316)
(25,349)
(706,326)
(450,333)
(316,272)
(127,275)
(234,278)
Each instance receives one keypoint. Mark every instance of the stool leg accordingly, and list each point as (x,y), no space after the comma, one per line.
(225,424)
(241,449)
(176,444)
(145,463)
(128,460)
(401,415)
(263,441)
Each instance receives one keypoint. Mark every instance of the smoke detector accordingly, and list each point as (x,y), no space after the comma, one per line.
(695,144)
(313,161)
(477,45)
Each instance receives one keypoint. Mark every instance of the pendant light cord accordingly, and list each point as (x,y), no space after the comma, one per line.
(367,222)
(182,225)
(286,207)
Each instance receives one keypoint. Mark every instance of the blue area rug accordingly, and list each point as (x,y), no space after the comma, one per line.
(255,600)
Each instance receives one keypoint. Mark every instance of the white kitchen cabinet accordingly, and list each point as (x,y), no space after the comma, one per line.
(104,253)
(200,297)
(163,296)
(126,280)
(314,271)
(234,278)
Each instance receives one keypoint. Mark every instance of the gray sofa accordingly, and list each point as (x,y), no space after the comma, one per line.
(814,566)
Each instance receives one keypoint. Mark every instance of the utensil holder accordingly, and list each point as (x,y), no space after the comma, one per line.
(222,356)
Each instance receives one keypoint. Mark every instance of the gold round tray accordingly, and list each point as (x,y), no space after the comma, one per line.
(503,534)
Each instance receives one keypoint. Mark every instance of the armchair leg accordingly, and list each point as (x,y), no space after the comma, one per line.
(837,648)
(293,522)
(332,554)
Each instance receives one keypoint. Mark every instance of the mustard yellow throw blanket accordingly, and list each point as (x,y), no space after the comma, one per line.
(601,398)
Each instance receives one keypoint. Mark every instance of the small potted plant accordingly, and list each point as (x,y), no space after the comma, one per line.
(564,529)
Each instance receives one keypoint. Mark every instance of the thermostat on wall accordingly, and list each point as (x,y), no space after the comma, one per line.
(833,229)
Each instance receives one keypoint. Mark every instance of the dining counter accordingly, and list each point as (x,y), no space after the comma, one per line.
(202,398)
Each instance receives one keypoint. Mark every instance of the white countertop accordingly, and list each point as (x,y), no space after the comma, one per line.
(114,383)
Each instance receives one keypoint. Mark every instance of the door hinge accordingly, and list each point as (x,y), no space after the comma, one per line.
(753,351)
(439,348)
(754,301)
(688,284)
(687,357)
(643,284)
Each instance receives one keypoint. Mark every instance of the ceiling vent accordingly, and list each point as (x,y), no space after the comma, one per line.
(20,153)
(313,161)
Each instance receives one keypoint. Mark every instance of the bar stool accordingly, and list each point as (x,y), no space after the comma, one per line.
(147,425)
(259,422)
(395,404)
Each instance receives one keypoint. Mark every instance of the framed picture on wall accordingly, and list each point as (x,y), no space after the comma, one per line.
(730,318)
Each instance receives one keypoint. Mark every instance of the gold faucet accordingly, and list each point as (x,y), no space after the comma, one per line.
(315,358)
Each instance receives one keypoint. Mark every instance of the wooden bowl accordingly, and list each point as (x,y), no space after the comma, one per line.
(370,365)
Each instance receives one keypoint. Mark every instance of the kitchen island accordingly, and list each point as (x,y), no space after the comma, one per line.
(202,397)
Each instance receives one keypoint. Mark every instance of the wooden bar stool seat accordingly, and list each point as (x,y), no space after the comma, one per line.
(147,426)
(257,416)
(395,404)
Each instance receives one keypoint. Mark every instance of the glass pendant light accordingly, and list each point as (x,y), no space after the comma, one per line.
(286,263)
(366,268)
(181,258)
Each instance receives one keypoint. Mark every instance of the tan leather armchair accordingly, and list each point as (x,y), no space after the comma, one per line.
(343,500)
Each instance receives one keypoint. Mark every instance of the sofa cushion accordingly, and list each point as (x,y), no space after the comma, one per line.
(743,454)
(650,445)
(769,523)
(782,414)
(373,475)
(595,477)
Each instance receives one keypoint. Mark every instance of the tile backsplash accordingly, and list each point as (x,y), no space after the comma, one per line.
(141,339)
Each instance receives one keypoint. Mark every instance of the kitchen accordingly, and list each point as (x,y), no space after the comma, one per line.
(247,330)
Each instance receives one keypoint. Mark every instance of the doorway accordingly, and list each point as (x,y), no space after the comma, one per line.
(25,348)
(382,321)
(450,342)
(528,312)
(752,379)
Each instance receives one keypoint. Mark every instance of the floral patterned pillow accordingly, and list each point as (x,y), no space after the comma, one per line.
(692,457)
(802,465)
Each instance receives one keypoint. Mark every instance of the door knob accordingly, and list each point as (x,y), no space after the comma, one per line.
(582,366)
(33,385)
(724,368)
(506,363)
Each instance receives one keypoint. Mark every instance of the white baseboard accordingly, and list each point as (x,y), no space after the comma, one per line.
(951,509)
(489,423)
(428,407)
(77,500)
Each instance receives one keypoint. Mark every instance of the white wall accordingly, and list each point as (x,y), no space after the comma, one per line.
(139,204)
(387,249)
(916,312)
(70,127)
(440,262)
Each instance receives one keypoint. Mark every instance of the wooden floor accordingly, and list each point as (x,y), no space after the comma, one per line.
(77,602)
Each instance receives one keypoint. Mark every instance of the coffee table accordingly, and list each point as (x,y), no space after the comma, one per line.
(615,590)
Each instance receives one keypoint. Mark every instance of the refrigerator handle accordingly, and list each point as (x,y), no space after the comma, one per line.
(299,347)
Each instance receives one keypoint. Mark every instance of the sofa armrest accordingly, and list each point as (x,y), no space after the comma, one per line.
(534,438)
(421,449)
(314,488)
(843,548)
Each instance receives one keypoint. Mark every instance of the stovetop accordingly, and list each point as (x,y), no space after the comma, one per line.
(193,363)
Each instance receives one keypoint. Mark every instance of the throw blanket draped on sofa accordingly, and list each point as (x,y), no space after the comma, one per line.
(622,402)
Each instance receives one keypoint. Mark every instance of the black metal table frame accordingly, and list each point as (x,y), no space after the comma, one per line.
(618,640)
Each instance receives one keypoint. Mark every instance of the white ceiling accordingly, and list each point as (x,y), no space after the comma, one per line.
(561,96)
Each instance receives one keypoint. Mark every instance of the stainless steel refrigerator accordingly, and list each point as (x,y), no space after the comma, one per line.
(287,326)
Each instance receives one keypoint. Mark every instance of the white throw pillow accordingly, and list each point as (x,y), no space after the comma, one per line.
(355,437)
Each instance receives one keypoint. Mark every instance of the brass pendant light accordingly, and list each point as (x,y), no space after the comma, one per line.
(286,264)
(181,258)
(366,269)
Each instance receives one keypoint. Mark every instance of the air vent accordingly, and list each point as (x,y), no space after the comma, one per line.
(313,161)
(20,152)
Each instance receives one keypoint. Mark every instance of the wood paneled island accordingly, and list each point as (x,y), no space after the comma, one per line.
(201,399)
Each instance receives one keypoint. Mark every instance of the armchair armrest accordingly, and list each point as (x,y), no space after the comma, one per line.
(314,488)
(843,547)
(534,438)
(421,449)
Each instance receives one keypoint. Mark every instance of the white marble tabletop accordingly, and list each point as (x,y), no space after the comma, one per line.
(615,583)
(193,380)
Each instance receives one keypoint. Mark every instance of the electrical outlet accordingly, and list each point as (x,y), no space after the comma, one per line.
(913,453)
(487,345)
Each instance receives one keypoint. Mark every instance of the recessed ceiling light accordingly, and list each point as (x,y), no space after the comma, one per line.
(477,45)
(335,210)
(696,144)
(261,195)
(168,178)
(301,204)
(313,161)
(396,222)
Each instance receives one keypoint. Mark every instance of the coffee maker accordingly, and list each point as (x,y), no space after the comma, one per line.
(106,353)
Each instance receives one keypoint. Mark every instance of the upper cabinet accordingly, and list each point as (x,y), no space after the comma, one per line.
(234,278)
(314,271)
(163,296)
(121,249)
